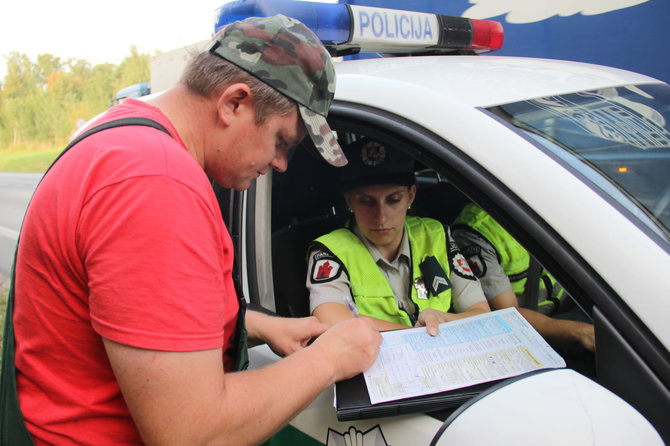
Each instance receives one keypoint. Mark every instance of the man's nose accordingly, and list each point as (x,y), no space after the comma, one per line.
(280,163)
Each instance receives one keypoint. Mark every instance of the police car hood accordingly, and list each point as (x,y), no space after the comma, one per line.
(396,83)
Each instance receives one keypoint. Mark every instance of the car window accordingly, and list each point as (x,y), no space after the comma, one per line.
(307,203)
(617,138)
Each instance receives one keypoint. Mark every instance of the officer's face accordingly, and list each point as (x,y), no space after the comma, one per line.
(380,212)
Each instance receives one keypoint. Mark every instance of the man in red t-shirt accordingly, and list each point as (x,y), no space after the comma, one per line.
(124,299)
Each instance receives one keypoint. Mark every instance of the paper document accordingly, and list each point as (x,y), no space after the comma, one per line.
(469,351)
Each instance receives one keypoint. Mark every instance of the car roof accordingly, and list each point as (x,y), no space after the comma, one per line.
(477,81)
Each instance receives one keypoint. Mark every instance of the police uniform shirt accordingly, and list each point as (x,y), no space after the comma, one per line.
(465,293)
(483,260)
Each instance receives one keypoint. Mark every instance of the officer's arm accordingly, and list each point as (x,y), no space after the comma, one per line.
(561,331)
(505,299)
(431,318)
(553,330)
(332,313)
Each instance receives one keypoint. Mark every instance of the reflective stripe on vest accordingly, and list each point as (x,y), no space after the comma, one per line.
(513,258)
(371,291)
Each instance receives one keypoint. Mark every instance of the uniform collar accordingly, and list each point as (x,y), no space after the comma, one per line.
(403,254)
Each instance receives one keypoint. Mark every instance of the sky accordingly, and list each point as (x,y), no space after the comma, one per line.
(101,32)
(104,32)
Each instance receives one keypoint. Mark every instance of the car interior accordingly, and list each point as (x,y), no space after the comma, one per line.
(307,203)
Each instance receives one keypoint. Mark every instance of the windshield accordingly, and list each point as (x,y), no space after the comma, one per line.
(618,138)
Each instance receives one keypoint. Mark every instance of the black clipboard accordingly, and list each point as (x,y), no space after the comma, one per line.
(352,400)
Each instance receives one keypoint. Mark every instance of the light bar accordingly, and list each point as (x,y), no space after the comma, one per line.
(349,29)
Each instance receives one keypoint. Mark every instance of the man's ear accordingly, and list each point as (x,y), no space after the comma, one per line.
(232,100)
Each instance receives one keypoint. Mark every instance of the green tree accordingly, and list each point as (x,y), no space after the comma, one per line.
(133,69)
(41,101)
(21,98)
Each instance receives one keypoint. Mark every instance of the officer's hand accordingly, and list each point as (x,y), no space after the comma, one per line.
(587,337)
(350,347)
(431,319)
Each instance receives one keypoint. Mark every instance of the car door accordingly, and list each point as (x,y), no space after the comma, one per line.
(275,220)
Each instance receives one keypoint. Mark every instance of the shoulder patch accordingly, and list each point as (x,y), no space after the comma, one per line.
(461,267)
(325,267)
(473,255)
(459,264)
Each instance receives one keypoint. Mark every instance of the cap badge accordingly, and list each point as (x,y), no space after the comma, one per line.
(373,154)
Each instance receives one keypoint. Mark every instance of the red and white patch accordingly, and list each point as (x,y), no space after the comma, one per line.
(462,267)
(325,270)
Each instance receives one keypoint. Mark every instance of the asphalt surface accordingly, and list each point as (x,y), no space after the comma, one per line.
(15,192)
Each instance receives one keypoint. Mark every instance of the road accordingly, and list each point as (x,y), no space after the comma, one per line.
(15,192)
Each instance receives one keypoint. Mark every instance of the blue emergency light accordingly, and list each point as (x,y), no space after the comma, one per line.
(349,29)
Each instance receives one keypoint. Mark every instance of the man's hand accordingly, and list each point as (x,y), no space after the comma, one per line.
(350,347)
(284,335)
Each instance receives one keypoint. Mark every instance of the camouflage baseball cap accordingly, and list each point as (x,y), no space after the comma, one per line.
(285,54)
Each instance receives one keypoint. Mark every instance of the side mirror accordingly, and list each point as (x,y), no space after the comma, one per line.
(554,407)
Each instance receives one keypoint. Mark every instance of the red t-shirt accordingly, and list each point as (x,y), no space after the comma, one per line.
(124,240)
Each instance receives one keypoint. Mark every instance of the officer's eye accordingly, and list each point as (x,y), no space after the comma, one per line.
(394,199)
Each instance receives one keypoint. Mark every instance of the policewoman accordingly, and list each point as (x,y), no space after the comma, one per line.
(398,270)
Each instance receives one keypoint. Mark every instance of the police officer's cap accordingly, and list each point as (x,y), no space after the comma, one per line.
(372,162)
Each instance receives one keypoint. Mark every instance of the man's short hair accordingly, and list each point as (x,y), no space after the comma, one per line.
(284,54)
(206,74)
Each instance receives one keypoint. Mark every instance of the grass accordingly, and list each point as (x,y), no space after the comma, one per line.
(27,161)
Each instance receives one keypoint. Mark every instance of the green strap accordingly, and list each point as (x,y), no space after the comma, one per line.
(240,347)
(13,431)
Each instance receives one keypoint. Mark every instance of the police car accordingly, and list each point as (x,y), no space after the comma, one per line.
(572,159)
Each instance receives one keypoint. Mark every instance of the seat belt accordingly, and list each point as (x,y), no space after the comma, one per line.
(530,294)
(13,430)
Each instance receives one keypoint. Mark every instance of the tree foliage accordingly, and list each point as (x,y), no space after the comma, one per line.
(42,101)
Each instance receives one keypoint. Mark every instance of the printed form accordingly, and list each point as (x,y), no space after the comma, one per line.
(469,351)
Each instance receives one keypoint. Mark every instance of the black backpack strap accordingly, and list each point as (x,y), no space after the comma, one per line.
(13,431)
(110,125)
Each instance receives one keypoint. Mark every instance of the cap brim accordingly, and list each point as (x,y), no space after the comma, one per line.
(323,137)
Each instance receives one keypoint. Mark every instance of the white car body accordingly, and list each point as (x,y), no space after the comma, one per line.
(445,98)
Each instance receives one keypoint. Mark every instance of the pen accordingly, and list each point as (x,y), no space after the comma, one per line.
(351,306)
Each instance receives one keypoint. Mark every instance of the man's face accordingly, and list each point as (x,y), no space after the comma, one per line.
(252,149)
